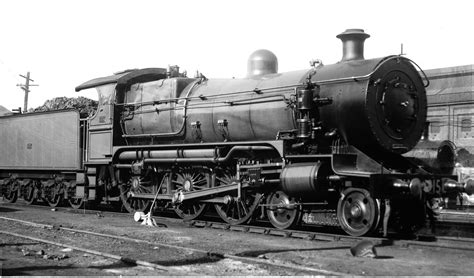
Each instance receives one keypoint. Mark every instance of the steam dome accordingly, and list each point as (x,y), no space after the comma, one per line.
(262,62)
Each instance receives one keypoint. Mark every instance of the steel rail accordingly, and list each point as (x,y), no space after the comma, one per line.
(437,242)
(455,243)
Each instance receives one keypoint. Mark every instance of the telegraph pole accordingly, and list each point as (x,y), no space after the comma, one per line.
(26,87)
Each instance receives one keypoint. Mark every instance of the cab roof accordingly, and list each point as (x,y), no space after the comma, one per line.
(125,77)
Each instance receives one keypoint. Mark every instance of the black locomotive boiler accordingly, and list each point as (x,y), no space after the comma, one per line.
(320,146)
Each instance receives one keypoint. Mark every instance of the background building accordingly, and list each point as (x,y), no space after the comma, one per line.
(4,111)
(451,115)
(451,105)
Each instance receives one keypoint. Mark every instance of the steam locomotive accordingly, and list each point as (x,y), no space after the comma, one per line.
(318,146)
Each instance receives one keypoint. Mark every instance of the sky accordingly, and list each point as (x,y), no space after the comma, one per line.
(64,43)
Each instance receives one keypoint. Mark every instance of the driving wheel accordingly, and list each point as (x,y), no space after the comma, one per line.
(187,181)
(236,211)
(135,185)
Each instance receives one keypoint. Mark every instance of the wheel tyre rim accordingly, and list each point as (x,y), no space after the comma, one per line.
(186,182)
(232,213)
(76,203)
(190,211)
(282,218)
(131,204)
(30,195)
(54,196)
(358,212)
(12,194)
(11,197)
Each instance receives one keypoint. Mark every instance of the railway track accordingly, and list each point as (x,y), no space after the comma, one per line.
(423,240)
(92,251)
(145,246)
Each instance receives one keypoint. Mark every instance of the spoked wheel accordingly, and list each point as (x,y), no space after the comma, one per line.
(358,213)
(10,191)
(74,201)
(136,185)
(190,180)
(28,192)
(282,211)
(237,212)
(53,194)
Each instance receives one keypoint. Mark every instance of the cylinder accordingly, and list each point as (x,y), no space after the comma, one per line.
(300,179)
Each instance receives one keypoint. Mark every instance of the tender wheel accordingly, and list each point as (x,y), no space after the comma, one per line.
(53,194)
(358,213)
(190,180)
(28,192)
(74,202)
(136,185)
(282,211)
(237,212)
(10,191)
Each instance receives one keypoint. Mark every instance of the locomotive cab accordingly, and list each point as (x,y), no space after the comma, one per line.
(153,109)
(104,126)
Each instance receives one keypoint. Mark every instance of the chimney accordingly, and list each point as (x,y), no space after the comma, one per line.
(352,44)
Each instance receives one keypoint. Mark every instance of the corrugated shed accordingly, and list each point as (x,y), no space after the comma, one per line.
(453,85)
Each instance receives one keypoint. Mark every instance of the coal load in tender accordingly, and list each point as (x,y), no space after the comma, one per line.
(85,106)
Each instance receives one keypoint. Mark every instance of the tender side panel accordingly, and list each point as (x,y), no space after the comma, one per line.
(40,141)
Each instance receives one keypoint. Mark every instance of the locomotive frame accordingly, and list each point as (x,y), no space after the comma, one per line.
(320,146)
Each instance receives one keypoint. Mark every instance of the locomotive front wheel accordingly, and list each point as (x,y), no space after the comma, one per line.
(240,211)
(282,211)
(54,195)
(29,193)
(186,181)
(358,213)
(10,193)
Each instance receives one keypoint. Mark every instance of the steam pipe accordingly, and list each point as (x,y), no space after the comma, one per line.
(203,159)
